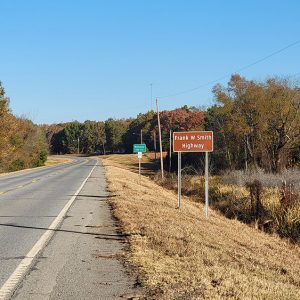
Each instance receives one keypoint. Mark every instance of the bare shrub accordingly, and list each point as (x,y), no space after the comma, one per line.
(275,204)
(288,196)
(255,189)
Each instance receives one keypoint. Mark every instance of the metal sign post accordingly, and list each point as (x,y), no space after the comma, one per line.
(170,152)
(139,149)
(193,141)
(206,184)
(179,179)
(140,155)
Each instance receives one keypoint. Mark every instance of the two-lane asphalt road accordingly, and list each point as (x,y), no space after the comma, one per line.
(32,200)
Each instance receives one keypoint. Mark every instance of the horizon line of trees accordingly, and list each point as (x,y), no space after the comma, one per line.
(255,124)
(118,135)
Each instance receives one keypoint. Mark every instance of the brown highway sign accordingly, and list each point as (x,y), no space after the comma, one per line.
(193,141)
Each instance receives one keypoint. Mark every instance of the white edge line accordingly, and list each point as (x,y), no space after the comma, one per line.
(16,277)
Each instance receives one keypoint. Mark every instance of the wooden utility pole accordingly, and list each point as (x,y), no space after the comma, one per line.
(160,143)
(154,143)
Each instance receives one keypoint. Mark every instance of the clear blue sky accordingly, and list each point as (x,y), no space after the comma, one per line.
(64,60)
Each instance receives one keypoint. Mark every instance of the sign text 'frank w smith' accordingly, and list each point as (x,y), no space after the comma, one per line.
(193,141)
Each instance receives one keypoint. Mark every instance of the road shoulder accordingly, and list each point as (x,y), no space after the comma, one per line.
(82,260)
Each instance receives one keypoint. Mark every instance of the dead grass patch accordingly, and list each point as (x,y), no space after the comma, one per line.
(181,255)
(130,161)
(55,160)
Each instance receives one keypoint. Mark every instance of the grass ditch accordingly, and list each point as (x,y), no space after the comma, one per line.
(179,254)
(272,208)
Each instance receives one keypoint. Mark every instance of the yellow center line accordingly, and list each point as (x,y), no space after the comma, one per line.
(33,181)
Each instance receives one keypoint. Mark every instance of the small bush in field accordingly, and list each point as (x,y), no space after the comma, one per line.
(41,159)
(16,165)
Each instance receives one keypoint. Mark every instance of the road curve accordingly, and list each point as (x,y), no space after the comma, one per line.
(32,200)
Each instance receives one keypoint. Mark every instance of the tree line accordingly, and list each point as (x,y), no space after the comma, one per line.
(22,143)
(256,124)
(119,135)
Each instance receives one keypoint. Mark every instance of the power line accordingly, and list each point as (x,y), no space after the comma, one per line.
(238,70)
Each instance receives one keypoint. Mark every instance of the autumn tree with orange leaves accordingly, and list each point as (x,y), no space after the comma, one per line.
(22,144)
(256,124)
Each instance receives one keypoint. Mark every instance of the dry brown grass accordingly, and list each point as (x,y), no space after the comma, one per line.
(56,159)
(130,162)
(234,201)
(181,255)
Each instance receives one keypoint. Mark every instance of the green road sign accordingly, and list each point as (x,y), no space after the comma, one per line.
(139,148)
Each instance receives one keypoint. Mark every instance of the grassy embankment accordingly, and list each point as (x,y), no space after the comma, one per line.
(178,254)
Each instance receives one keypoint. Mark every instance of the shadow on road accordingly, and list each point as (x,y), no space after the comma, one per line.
(93,197)
(96,196)
(103,236)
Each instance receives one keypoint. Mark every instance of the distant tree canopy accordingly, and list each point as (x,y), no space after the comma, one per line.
(139,127)
(114,131)
(181,119)
(93,137)
(119,135)
(63,138)
(22,144)
(145,125)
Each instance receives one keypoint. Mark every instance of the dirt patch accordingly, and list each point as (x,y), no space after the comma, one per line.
(181,255)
